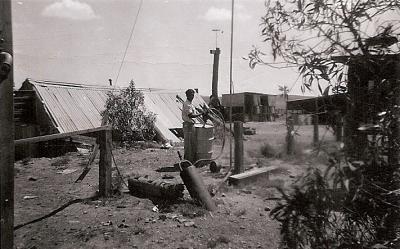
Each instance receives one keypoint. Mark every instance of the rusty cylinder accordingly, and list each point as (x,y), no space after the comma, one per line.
(196,187)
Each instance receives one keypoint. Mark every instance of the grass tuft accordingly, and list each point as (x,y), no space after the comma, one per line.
(268,150)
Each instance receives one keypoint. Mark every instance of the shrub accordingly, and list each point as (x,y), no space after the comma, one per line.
(126,113)
(268,150)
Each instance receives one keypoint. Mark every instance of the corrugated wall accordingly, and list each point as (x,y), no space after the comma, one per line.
(77,107)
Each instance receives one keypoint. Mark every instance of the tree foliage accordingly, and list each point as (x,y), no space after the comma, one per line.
(127,114)
(355,203)
(307,33)
(348,205)
(284,91)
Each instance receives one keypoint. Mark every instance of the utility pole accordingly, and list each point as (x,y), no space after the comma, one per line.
(6,129)
(231,85)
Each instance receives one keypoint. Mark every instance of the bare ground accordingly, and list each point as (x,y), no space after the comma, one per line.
(125,221)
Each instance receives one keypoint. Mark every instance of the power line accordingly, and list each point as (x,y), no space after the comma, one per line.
(129,41)
(294,83)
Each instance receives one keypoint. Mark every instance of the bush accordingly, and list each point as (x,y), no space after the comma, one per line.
(128,116)
(268,150)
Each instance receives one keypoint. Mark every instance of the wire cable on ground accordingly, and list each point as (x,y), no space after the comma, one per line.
(117,168)
(92,198)
(73,201)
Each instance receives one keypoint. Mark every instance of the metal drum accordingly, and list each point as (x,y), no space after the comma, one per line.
(204,141)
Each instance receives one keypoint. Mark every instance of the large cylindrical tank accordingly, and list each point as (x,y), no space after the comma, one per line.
(204,141)
(189,134)
(196,187)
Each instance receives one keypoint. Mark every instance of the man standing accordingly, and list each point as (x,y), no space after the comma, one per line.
(188,114)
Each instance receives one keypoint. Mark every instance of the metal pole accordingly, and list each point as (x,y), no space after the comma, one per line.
(6,133)
(230,89)
(216,36)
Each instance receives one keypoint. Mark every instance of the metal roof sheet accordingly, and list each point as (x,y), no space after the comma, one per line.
(76,107)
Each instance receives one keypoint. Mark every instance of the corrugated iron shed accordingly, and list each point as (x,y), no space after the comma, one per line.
(319,104)
(75,107)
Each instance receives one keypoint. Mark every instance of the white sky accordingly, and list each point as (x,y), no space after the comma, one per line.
(83,41)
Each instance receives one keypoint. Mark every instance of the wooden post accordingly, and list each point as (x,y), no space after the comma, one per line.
(6,135)
(105,143)
(238,132)
(316,122)
(289,136)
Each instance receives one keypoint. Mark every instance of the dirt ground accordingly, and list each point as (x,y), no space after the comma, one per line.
(125,221)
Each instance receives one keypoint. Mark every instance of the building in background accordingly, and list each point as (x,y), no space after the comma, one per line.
(256,107)
(46,107)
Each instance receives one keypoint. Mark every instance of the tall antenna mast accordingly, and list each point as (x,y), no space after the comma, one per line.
(230,88)
(216,35)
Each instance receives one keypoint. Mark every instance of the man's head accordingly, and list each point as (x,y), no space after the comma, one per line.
(189,94)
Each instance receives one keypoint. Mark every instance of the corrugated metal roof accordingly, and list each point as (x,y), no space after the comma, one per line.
(76,107)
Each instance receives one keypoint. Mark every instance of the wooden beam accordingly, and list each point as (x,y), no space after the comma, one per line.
(84,139)
(6,135)
(94,152)
(105,144)
(251,176)
(61,135)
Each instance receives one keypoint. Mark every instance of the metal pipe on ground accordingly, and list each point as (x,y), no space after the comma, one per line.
(196,187)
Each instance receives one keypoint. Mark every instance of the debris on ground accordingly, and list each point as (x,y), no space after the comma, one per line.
(66,171)
(144,187)
(155,209)
(240,221)
(249,131)
(106,223)
(166,146)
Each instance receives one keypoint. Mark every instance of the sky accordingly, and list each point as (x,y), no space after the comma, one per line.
(84,41)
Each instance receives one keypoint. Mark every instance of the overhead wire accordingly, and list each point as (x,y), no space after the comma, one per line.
(116,82)
(129,41)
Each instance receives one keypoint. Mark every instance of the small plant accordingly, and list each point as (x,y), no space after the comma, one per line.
(305,213)
(128,116)
(268,150)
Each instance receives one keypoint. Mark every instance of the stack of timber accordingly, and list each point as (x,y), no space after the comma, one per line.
(144,187)
(250,176)
(249,131)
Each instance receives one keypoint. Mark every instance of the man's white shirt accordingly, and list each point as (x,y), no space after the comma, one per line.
(187,109)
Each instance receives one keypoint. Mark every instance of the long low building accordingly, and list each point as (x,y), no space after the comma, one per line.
(46,107)
(259,107)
